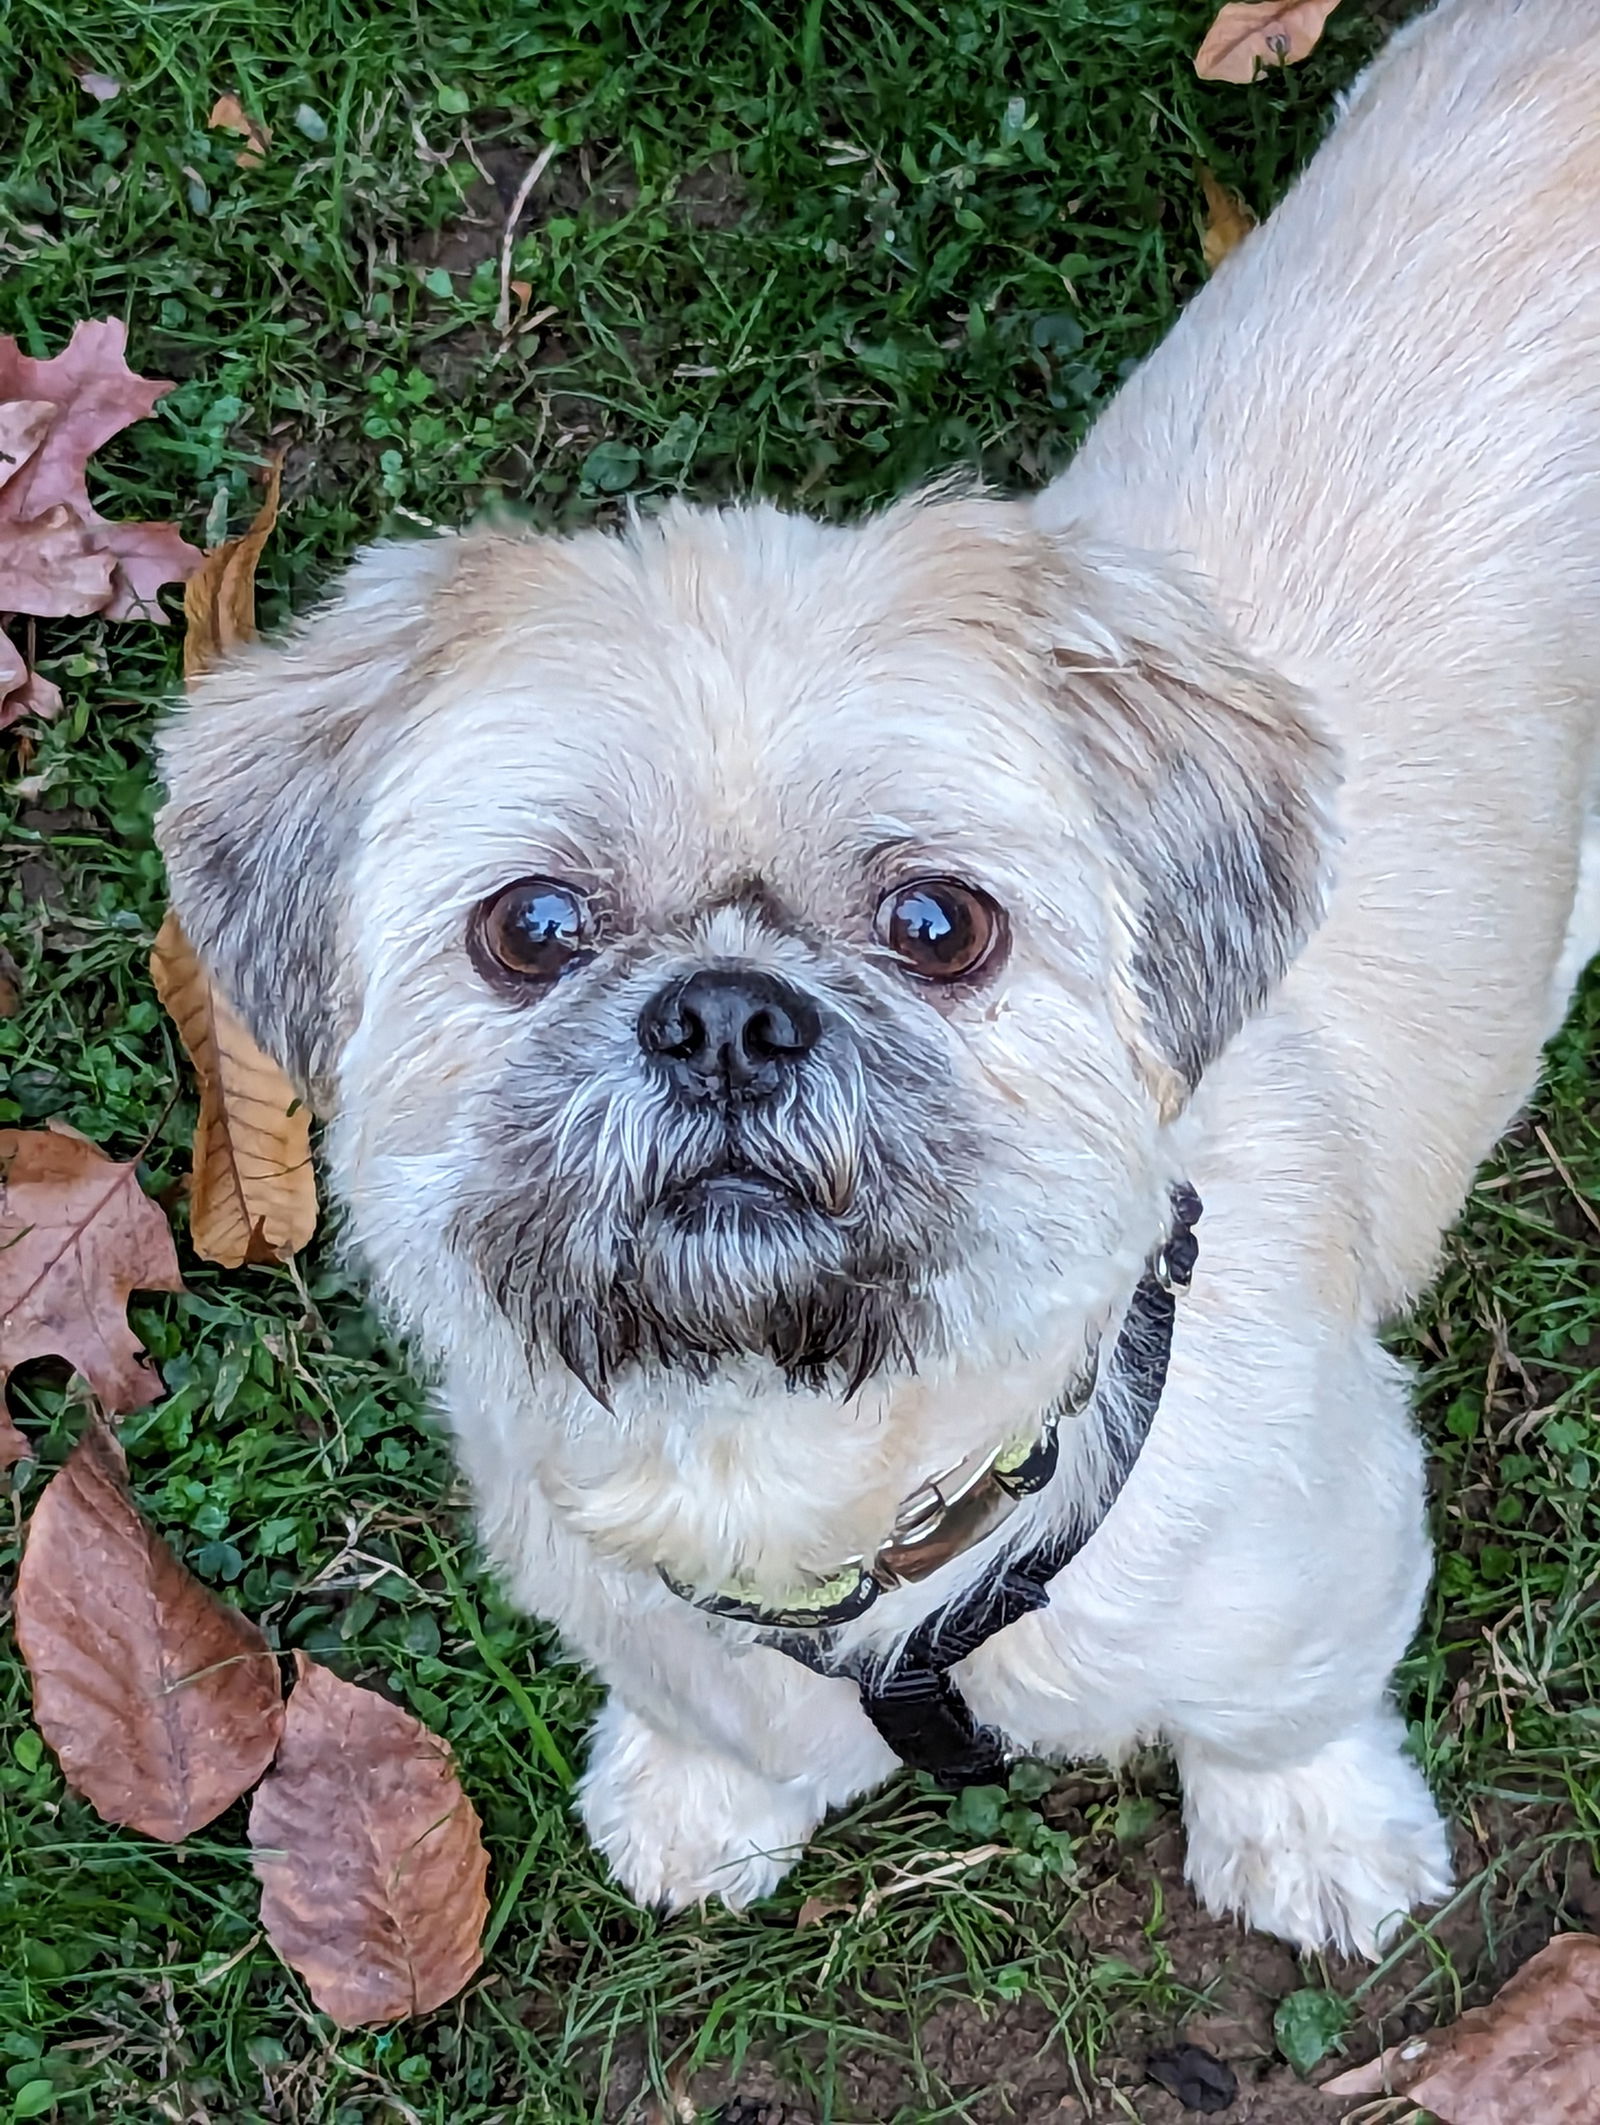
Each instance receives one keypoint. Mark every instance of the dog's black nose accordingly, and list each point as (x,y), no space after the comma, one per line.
(734,1032)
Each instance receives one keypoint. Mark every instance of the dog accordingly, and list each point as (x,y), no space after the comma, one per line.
(784,993)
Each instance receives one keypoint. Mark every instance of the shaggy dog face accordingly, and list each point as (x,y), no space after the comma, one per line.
(746,942)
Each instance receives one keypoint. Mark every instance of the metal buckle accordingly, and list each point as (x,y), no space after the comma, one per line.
(1173,1280)
(941,1518)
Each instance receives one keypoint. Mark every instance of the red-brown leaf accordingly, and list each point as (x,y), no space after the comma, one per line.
(371,1866)
(14,1445)
(96,395)
(23,692)
(162,1702)
(1251,35)
(24,424)
(77,1235)
(1533,2054)
(51,567)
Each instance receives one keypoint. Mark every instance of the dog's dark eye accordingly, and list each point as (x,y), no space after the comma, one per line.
(941,929)
(533,930)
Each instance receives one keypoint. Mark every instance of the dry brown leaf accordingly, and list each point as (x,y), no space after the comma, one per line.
(15,1445)
(77,1235)
(228,115)
(1532,2054)
(1228,220)
(51,568)
(254,1196)
(219,600)
(95,396)
(1251,34)
(371,1866)
(162,1702)
(58,555)
(817,1908)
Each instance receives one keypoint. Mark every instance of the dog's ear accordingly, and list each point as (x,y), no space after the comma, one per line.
(267,763)
(1214,786)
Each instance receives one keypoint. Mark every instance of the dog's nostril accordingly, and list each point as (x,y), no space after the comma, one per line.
(729,1029)
(776,1032)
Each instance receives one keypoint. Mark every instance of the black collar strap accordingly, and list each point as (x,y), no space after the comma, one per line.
(911,1699)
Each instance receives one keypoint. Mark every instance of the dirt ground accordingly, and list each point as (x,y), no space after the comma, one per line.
(1011,2065)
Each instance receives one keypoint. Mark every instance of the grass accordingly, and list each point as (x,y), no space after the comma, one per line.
(806,250)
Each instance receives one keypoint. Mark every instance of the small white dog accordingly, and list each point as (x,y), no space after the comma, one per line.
(775,985)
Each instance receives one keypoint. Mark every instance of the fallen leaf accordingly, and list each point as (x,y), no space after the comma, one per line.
(1228,220)
(24,424)
(102,87)
(96,395)
(51,568)
(255,1195)
(817,1908)
(1251,34)
(77,1235)
(162,1703)
(228,115)
(23,692)
(219,600)
(371,1866)
(15,1445)
(1532,2054)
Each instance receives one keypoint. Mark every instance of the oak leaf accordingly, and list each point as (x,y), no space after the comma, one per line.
(371,1865)
(58,555)
(162,1703)
(254,1197)
(14,1444)
(1532,2053)
(96,395)
(77,1235)
(1249,35)
(1228,220)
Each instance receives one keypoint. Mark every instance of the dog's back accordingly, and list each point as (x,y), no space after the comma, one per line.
(1377,432)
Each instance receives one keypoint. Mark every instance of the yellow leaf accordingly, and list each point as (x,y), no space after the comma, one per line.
(1228,220)
(1251,34)
(254,1196)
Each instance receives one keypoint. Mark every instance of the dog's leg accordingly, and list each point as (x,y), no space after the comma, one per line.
(1305,1815)
(1247,1600)
(1330,1852)
(711,1762)
(681,1824)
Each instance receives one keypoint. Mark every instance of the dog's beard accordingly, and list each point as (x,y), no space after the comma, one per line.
(809,1229)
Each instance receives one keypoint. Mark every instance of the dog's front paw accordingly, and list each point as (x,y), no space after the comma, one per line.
(680,1825)
(1329,1854)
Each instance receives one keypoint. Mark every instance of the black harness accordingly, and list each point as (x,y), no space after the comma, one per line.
(911,1699)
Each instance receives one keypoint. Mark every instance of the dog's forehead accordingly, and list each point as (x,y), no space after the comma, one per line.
(726,697)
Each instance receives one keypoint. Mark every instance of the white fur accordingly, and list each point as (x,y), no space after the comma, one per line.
(1374,442)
